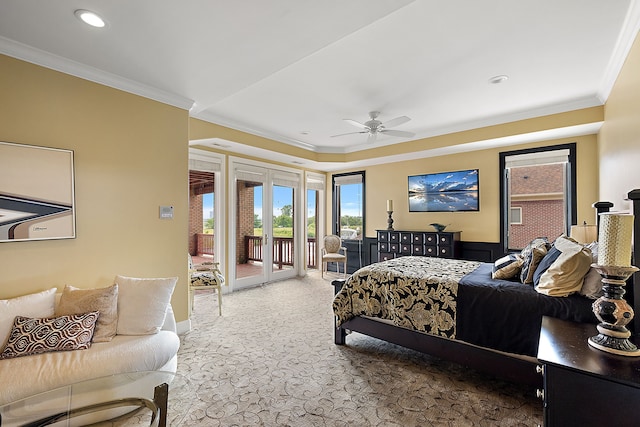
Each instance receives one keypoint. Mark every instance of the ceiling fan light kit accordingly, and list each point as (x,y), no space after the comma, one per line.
(373,127)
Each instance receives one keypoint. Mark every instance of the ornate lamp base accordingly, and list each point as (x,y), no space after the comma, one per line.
(390,221)
(613,312)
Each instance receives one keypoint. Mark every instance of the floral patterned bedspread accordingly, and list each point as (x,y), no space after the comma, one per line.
(413,292)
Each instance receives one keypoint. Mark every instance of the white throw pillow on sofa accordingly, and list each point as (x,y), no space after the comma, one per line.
(142,304)
(41,304)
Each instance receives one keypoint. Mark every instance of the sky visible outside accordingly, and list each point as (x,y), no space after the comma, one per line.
(311,203)
(351,199)
(207,205)
(281,196)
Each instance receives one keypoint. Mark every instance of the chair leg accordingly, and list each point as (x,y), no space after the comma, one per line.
(219,290)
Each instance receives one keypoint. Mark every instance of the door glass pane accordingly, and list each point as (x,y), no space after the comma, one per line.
(350,211)
(201,217)
(249,244)
(312,215)
(539,194)
(282,218)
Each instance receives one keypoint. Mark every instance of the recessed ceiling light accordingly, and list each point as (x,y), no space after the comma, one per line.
(498,79)
(90,18)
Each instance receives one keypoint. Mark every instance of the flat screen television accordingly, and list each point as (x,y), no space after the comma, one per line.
(444,192)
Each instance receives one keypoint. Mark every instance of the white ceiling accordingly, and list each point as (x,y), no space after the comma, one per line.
(292,70)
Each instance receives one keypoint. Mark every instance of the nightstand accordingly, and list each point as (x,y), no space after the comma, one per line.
(584,386)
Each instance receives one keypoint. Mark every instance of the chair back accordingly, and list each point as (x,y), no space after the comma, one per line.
(332,243)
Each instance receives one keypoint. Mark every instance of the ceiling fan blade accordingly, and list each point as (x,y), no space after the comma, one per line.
(401,133)
(371,138)
(356,124)
(396,122)
(349,133)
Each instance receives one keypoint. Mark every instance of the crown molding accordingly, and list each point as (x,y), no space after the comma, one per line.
(48,60)
(627,36)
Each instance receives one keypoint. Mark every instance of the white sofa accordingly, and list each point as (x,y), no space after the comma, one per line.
(24,376)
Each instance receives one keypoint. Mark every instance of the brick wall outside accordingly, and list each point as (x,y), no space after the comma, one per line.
(537,179)
(539,191)
(195,220)
(540,218)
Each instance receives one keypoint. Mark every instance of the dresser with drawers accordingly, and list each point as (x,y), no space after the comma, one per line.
(397,243)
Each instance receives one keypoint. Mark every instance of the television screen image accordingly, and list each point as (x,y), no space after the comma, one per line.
(444,192)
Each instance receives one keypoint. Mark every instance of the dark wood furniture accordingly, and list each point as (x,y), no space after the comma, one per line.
(503,365)
(396,243)
(584,386)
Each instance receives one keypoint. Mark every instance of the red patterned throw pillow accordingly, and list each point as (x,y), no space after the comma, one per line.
(42,335)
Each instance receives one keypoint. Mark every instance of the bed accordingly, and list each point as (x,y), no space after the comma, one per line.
(453,309)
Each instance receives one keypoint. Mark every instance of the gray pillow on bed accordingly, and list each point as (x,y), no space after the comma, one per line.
(532,254)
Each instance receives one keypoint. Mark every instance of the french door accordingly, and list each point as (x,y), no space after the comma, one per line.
(266,223)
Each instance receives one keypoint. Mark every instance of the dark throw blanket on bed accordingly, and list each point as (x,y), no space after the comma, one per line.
(507,315)
(455,299)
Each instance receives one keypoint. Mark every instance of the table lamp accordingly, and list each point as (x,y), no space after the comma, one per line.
(614,265)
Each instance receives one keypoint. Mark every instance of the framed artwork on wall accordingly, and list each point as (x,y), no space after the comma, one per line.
(36,193)
(444,192)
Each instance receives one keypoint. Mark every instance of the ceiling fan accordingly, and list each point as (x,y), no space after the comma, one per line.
(374,127)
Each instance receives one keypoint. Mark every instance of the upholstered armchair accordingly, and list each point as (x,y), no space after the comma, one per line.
(331,252)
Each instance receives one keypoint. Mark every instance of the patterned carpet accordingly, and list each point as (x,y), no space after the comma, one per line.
(270,361)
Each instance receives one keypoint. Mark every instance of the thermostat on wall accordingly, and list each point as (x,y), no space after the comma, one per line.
(166,212)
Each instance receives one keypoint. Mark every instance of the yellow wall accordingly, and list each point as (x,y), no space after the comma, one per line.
(619,138)
(389,181)
(131,156)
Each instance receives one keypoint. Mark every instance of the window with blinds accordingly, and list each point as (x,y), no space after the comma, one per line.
(538,189)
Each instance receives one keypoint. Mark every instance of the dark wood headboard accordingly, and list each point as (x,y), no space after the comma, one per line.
(633,286)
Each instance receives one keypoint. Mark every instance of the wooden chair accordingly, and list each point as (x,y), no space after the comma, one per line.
(205,276)
(331,253)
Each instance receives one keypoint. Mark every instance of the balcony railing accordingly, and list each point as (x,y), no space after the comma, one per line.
(282,250)
(204,245)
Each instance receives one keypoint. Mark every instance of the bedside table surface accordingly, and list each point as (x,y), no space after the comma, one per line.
(564,343)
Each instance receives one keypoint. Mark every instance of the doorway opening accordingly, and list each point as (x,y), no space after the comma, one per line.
(201,216)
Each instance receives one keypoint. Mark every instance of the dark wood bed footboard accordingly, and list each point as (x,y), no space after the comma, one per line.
(481,359)
(501,365)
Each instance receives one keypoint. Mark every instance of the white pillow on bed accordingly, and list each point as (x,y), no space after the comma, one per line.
(565,274)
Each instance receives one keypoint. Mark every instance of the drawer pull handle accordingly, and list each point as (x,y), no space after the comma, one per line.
(540,369)
(540,394)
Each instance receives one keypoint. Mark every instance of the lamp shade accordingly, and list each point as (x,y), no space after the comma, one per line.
(614,246)
(584,233)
